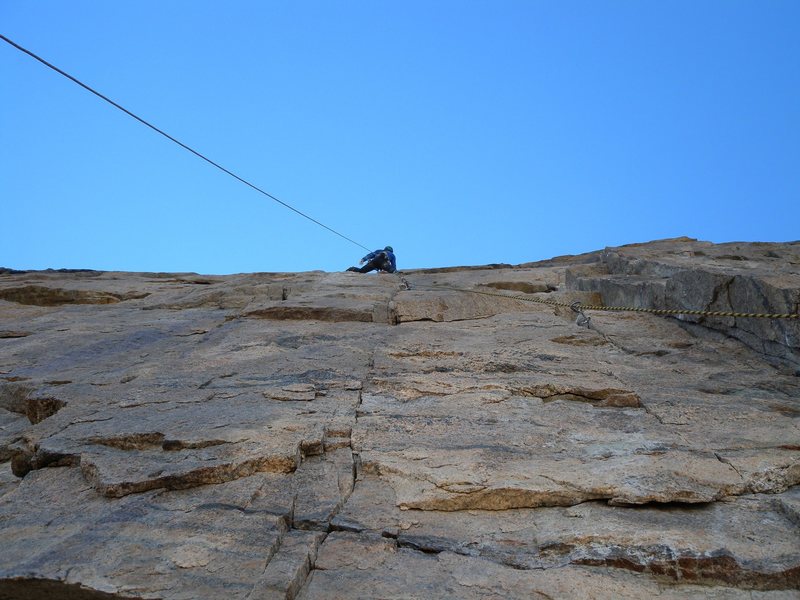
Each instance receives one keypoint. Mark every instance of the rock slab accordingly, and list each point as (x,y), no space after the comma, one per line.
(336,435)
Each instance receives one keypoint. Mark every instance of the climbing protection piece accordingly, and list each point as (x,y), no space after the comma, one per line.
(582,319)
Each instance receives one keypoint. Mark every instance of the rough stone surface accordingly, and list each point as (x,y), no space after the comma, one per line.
(336,435)
(688,274)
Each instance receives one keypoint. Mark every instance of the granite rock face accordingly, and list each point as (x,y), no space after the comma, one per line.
(338,435)
(687,274)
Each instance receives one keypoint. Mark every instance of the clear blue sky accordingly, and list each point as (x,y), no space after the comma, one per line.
(460,132)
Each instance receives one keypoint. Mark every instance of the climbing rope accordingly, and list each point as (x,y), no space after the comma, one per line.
(579,308)
(178,142)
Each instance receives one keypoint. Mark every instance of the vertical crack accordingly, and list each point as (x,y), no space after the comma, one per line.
(306,573)
(725,461)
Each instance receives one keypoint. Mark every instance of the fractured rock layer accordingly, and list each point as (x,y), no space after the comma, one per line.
(335,435)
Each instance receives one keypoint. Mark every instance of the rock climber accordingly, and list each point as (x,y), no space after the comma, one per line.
(380,260)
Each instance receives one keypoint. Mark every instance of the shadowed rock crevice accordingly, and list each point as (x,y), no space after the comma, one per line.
(579,340)
(25,400)
(160,463)
(149,441)
(184,478)
(45,296)
(525,287)
(38,408)
(7,335)
(26,457)
(46,589)
(312,313)
(606,397)
(427,487)
(717,566)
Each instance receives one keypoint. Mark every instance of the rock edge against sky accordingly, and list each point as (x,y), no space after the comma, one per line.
(335,435)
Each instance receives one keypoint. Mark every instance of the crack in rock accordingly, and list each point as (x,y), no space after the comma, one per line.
(44,296)
(23,399)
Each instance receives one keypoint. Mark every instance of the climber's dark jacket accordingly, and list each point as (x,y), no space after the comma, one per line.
(380,260)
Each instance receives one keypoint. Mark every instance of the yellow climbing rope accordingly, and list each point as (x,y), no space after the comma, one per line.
(578,307)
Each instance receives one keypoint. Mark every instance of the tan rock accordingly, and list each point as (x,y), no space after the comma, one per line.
(335,435)
(347,566)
